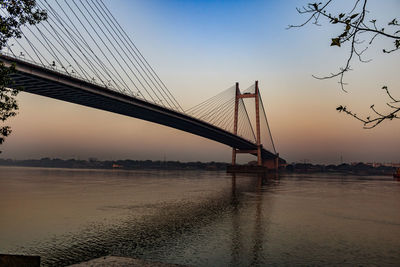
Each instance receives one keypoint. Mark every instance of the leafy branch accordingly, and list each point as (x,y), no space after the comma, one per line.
(356,31)
(8,103)
(17,14)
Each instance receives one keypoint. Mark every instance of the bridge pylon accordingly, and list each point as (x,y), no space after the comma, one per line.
(268,163)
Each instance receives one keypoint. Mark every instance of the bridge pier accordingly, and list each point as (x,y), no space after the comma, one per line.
(267,165)
(272,164)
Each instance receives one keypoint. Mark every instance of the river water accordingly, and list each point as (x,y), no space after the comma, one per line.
(200,218)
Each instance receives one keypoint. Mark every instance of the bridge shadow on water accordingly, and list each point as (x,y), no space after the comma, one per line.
(175,225)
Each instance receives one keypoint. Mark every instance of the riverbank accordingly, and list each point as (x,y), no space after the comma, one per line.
(127,164)
(344,169)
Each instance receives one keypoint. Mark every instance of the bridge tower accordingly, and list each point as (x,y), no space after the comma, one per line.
(271,163)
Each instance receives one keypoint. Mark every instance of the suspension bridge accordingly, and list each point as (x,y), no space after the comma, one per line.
(82,55)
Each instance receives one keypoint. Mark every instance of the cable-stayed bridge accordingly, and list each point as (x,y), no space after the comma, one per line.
(82,55)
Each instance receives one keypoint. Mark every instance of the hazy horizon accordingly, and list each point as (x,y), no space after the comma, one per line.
(181,161)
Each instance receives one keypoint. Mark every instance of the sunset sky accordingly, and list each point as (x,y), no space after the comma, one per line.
(200,48)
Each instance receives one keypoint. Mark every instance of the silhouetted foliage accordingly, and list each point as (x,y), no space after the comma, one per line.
(354,168)
(14,14)
(360,33)
(8,104)
(116,164)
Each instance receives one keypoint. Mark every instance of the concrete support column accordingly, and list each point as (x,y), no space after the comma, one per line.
(258,133)
(235,121)
(277,161)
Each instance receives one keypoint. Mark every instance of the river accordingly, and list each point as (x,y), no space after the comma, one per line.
(200,218)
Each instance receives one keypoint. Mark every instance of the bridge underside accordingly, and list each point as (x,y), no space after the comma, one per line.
(46,82)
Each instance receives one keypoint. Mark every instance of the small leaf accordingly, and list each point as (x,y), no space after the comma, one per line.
(347,27)
(353,16)
(315,5)
(335,42)
(393,22)
(341,15)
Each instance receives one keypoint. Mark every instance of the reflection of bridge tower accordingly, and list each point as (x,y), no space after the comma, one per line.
(269,163)
(250,234)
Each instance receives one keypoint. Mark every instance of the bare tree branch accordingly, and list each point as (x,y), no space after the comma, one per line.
(379,116)
(356,27)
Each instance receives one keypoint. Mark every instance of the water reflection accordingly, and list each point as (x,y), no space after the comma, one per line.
(259,230)
(236,233)
(264,182)
(146,227)
(205,218)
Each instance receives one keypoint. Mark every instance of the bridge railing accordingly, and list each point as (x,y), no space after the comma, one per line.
(78,77)
(52,68)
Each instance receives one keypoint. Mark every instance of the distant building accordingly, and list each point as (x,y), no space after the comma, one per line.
(116,166)
(378,164)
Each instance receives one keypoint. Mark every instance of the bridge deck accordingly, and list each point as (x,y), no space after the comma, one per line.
(46,82)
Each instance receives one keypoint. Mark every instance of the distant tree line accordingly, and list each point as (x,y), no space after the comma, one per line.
(358,168)
(117,164)
(92,163)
